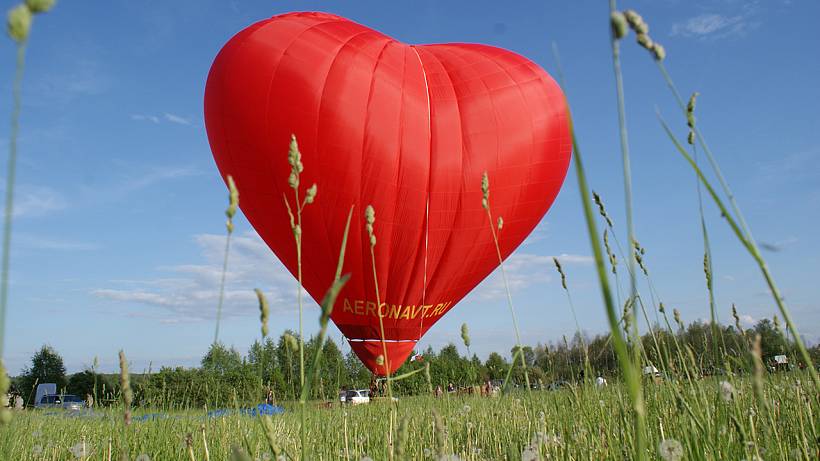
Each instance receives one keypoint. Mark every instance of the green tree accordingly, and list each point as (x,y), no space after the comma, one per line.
(88,382)
(221,360)
(496,366)
(46,367)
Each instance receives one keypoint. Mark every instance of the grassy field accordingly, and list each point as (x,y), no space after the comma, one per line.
(757,416)
(706,419)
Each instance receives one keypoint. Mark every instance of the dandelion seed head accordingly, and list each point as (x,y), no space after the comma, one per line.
(670,450)
(529,454)
(727,391)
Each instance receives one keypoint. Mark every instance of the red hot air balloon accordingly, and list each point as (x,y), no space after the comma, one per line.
(409,129)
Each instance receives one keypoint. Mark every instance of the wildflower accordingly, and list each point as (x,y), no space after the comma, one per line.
(18,23)
(143,457)
(727,391)
(449,458)
(617,21)
(670,450)
(366,458)
(466,409)
(37,450)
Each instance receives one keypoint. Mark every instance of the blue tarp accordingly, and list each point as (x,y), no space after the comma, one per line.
(261,409)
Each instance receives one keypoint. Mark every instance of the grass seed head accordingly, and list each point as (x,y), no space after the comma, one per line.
(619,25)
(233,198)
(658,51)
(380,360)
(737,319)
(264,311)
(295,162)
(310,194)
(561,271)
(125,388)
(40,6)
(18,23)
(485,191)
(291,342)
(636,22)
(500,222)
(645,41)
(465,335)
(5,382)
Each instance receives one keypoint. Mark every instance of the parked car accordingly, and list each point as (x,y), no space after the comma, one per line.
(357,396)
(64,401)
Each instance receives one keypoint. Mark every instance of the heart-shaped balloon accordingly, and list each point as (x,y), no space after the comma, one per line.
(408,129)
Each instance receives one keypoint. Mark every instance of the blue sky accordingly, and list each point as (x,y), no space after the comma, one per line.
(119,230)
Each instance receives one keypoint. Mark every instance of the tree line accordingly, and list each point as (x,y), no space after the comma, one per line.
(226,378)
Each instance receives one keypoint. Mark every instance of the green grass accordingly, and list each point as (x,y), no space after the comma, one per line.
(579,423)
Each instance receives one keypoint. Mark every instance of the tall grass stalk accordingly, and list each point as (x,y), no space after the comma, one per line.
(295,162)
(370,219)
(327,303)
(233,203)
(628,367)
(748,242)
(485,202)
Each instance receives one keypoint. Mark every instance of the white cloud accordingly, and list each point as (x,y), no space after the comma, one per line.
(747,320)
(192,293)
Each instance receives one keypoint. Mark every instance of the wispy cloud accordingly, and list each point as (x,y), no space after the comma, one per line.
(144,118)
(716,25)
(54,244)
(31,201)
(192,292)
(524,270)
(173,118)
(77,79)
(165,117)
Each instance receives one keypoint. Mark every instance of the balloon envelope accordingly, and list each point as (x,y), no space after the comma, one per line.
(408,129)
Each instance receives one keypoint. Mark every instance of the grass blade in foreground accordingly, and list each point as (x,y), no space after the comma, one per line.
(750,245)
